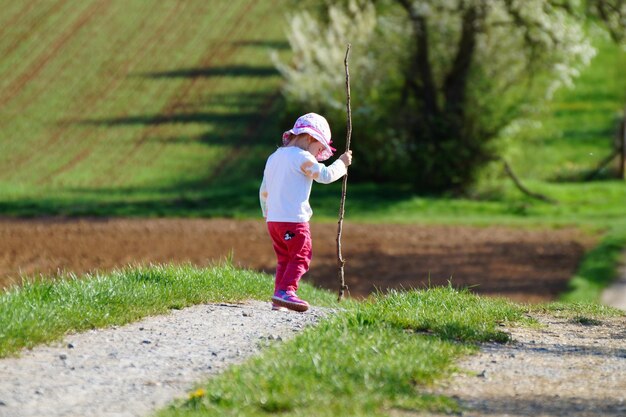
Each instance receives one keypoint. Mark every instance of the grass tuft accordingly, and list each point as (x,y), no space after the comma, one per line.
(452,314)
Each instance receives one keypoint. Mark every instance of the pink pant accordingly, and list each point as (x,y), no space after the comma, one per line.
(294,249)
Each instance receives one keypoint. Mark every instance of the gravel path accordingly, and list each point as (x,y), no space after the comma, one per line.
(135,369)
(564,368)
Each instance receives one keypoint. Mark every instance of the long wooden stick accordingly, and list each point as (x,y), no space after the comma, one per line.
(342,283)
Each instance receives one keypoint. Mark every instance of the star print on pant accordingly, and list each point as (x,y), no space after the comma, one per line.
(294,249)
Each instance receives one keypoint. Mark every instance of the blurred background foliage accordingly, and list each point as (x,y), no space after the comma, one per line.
(441,89)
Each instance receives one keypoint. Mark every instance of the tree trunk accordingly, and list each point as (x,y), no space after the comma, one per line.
(456,81)
(420,76)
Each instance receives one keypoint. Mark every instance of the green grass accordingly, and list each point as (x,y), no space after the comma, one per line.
(334,369)
(583,312)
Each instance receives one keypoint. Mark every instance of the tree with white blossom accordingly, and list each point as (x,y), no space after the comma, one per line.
(435,81)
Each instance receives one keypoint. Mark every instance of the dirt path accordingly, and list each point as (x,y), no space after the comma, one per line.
(615,295)
(133,370)
(525,265)
(563,369)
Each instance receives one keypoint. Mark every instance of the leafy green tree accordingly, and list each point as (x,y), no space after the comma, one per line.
(435,81)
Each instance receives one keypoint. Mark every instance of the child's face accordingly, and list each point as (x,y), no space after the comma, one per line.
(315,147)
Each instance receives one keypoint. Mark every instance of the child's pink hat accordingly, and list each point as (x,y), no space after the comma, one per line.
(316,126)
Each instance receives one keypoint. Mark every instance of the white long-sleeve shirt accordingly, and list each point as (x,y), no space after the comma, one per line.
(287,180)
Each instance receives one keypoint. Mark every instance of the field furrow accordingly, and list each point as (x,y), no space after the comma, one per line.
(12,15)
(133,128)
(22,36)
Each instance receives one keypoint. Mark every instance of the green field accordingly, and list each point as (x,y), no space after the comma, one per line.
(134,99)
(169,109)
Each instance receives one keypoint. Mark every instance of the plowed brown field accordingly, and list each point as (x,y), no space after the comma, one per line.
(525,265)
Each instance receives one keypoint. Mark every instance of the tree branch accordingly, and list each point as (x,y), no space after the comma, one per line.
(521,186)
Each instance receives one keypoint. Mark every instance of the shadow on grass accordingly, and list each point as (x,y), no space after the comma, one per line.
(232,195)
(223,129)
(283,45)
(159,119)
(246,116)
(226,71)
(220,202)
(589,134)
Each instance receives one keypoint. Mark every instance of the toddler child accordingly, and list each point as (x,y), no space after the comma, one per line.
(284,194)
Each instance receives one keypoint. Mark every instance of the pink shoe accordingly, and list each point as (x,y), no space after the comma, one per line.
(290,300)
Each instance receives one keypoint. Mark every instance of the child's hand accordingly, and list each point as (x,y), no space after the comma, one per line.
(346,158)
